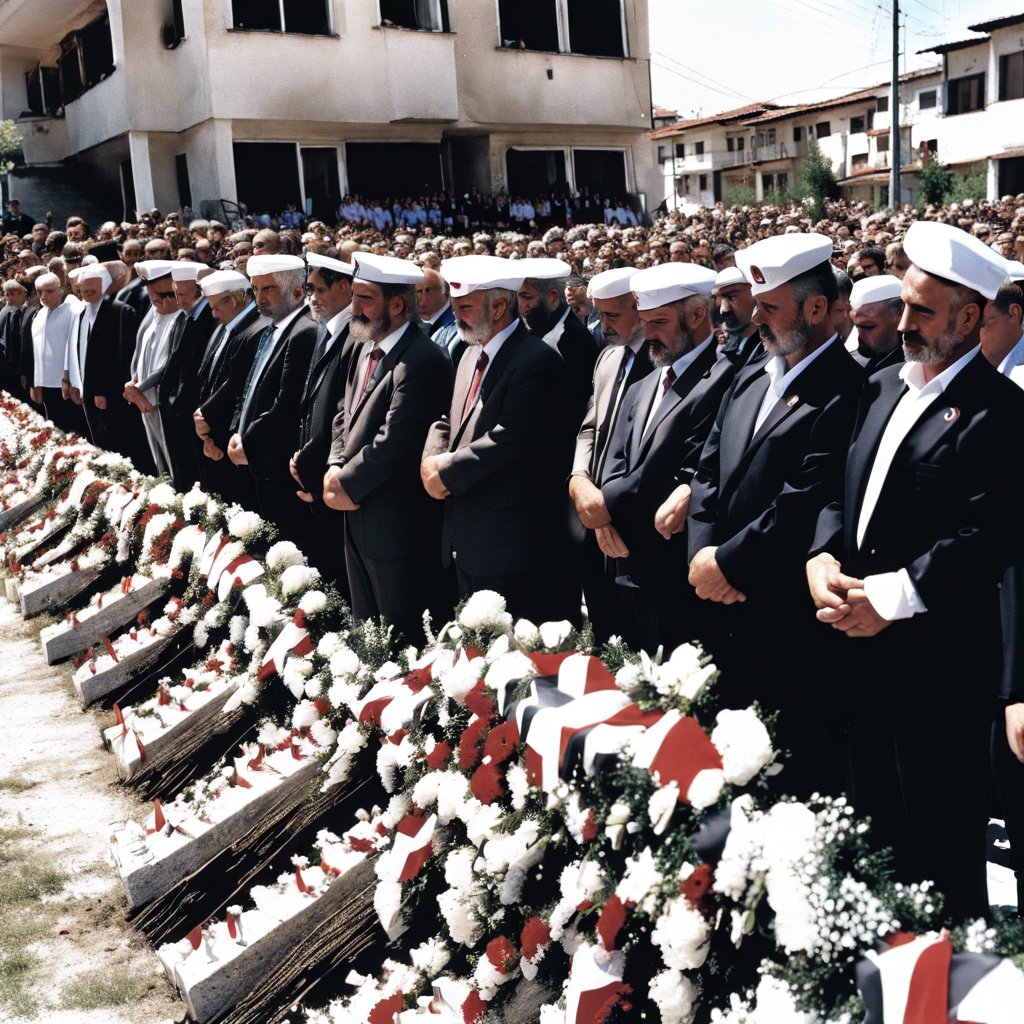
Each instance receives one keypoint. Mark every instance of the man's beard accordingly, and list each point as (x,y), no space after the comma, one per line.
(785,343)
(363,329)
(930,353)
(661,355)
(733,324)
(537,319)
(473,335)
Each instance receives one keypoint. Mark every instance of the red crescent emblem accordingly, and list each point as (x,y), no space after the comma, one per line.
(951,414)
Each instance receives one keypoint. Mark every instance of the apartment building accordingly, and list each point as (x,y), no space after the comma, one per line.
(186,102)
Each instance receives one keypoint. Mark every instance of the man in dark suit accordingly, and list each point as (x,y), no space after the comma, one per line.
(735,305)
(222,374)
(543,307)
(398,383)
(329,284)
(752,513)
(435,309)
(875,309)
(908,564)
(500,458)
(102,331)
(178,390)
(266,419)
(654,451)
(12,316)
(620,364)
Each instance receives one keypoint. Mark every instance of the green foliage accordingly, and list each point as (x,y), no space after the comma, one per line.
(740,195)
(969,186)
(934,183)
(819,180)
(10,145)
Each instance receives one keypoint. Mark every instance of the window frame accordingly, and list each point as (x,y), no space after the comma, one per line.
(1004,61)
(933,93)
(953,88)
(818,133)
(445,21)
(562,28)
(283,22)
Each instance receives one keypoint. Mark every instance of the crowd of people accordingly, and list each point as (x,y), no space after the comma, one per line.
(790,440)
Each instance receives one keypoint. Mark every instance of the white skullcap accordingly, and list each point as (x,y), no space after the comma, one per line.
(221,281)
(153,270)
(1015,270)
(314,259)
(543,268)
(72,275)
(670,282)
(610,284)
(385,269)
(89,260)
(279,263)
(875,289)
(950,253)
(94,272)
(466,274)
(774,261)
(187,270)
(729,276)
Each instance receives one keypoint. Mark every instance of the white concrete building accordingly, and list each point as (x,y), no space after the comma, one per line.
(172,102)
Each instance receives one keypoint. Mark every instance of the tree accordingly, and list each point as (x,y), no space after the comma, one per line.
(741,195)
(10,145)
(969,186)
(934,183)
(819,180)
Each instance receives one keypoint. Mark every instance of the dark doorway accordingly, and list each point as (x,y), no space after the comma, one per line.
(128,190)
(533,171)
(184,186)
(321,181)
(266,176)
(528,24)
(382,169)
(1011,176)
(595,27)
(600,170)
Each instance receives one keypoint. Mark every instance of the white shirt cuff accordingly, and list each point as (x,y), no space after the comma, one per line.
(893,595)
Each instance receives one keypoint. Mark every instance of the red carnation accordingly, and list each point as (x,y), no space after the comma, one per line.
(486,784)
(536,933)
(589,828)
(469,742)
(480,702)
(501,742)
(696,884)
(501,953)
(613,917)
(438,756)
(473,1008)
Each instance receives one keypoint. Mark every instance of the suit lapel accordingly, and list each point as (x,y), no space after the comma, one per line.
(495,371)
(384,366)
(738,428)
(679,390)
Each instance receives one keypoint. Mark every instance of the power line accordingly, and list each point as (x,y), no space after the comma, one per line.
(703,85)
(701,74)
(927,7)
(849,19)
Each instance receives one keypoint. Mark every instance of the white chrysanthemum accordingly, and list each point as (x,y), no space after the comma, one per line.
(486,609)
(304,715)
(162,495)
(518,786)
(662,805)
(322,733)
(461,678)
(297,578)
(640,880)
(313,601)
(430,957)
(329,643)
(527,634)
(673,993)
(236,628)
(681,933)
(244,525)
(743,741)
(344,663)
(554,634)
(283,554)
(789,837)
(201,635)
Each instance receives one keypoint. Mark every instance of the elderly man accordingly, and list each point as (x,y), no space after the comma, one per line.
(435,309)
(330,297)
(736,307)
(222,374)
(653,455)
(620,364)
(542,305)
(500,457)
(398,383)
(12,316)
(910,559)
(44,362)
(752,512)
(178,391)
(150,357)
(876,309)
(1002,334)
(266,419)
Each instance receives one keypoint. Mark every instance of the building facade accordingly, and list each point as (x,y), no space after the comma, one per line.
(187,102)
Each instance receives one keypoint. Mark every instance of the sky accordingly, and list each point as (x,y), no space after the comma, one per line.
(713,55)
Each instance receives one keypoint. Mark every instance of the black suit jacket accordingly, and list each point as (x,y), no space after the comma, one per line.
(319,406)
(380,448)
(578,349)
(224,375)
(873,363)
(755,496)
(512,454)
(644,467)
(950,512)
(26,357)
(179,386)
(113,332)
(273,421)
(10,332)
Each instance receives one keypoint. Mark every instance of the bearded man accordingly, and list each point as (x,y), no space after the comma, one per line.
(753,508)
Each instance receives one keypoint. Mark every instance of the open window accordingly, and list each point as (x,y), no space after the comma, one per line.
(422,15)
(1011,76)
(965,94)
(305,17)
(528,24)
(594,28)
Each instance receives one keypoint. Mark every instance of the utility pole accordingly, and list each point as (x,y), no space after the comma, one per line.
(894,112)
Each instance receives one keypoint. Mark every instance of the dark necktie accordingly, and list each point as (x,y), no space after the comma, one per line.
(371,365)
(323,336)
(670,379)
(608,423)
(474,387)
(265,337)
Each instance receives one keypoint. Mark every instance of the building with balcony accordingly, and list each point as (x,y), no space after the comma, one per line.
(187,102)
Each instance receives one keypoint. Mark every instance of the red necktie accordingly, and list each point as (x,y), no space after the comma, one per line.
(670,379)
(474,388)
(371,365)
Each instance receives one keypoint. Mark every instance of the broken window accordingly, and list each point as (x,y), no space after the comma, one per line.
(424,15)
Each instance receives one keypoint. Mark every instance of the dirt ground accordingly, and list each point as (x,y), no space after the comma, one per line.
(66,954)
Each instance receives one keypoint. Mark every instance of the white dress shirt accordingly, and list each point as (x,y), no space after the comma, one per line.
(437,316)
(1013,365)
(554,336)
(780,379)
(336,325)
(679,366)
(492,347)
(892,594)
(78,344)
(385,347)
(50,331)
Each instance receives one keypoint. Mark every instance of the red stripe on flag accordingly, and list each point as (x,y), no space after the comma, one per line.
(548,664)
(686,750)
(928,996)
